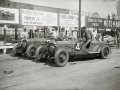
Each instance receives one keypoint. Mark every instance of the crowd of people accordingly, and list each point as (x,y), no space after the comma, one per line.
(61,33)
(55,33)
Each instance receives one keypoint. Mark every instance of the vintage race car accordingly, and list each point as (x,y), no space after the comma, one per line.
(61,51)
(28,46)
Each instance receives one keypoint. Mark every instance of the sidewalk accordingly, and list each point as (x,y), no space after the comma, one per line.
(5,48)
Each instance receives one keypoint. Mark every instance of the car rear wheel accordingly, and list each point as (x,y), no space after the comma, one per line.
(105,52)
(61,57)
(30,52)
(40,54)
(15,51)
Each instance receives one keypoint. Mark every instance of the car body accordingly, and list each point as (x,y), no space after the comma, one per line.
(61,51)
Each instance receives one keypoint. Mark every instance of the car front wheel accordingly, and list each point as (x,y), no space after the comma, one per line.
(40,54)
(15,52)
(61,57)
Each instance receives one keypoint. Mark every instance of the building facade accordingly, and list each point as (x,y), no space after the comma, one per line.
(17,14)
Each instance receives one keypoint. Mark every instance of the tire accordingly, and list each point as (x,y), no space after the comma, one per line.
(105,52)
(15,53)
(38,54)
(30,52)
(64,57)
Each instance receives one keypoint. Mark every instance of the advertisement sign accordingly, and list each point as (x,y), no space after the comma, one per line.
(74,12)
(38,18)
(91,22)
(94,22)
(8,15)
(67,20)
(112,23)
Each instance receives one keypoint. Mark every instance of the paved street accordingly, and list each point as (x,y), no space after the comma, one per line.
(82,74)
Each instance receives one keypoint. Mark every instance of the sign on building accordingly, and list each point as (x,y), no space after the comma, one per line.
(8,15)
(67,20)
(38,18)
(94,22)
(91,22)
(74,12)
(88,14)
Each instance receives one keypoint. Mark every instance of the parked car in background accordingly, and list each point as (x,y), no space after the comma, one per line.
(28,46)
(110,40)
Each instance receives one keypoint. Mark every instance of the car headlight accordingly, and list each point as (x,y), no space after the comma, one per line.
(52,48)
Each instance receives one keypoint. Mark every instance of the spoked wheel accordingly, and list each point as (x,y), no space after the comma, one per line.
(61,57)
(31,51)
(105,52)
(40,54)
(15,51)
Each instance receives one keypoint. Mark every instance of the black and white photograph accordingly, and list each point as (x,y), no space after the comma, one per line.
(59,44)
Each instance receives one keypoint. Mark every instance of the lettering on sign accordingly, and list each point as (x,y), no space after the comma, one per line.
(89,14)
(68,20)
(94,22)
(34,17)
(73,12)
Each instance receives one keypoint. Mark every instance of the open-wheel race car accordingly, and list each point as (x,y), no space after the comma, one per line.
(62,51)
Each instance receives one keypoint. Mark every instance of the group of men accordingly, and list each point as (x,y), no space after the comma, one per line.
(86,34)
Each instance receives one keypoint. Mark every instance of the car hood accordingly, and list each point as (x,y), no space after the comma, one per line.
(69,43)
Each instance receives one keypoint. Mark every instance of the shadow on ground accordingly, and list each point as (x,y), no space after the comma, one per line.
(51,62)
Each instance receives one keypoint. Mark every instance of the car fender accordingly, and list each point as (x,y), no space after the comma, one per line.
(99,50)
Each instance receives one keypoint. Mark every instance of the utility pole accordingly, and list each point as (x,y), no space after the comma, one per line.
(79,21)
